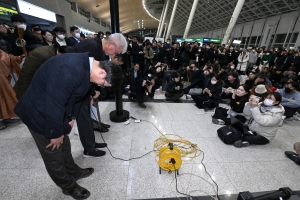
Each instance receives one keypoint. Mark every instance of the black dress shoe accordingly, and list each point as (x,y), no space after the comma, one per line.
(105,125)
(13,120)
(85,173)
(77,192)
(293,156)
(100,145)
(101,130)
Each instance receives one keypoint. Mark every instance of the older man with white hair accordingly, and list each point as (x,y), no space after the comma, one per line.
(112,45)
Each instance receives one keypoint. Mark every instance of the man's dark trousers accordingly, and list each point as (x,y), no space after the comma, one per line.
(59,162)
(85,128)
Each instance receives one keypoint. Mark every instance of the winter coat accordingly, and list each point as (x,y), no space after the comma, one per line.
(263,120)
(223,58)
(148,53)
(243,62)
(252,57)
(32,63)
(172,85)
(8,98)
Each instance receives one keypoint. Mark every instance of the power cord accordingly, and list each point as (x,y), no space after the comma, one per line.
(109,149)
(175,171)
(210,175)
(189,144)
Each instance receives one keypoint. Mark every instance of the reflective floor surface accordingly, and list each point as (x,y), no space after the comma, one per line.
(255,168)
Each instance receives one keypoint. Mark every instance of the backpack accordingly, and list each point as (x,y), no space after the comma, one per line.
(229,135)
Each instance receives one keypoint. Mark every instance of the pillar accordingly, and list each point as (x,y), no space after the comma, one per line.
(233,20)
(190,20)
(161,17)
(164,18)
(118,115)
(172,19)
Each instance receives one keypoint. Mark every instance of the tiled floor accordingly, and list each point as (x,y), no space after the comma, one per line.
(256,168)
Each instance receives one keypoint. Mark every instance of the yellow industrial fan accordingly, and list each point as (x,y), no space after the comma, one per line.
(169,158)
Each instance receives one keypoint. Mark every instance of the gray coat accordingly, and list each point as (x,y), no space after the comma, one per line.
(264,123)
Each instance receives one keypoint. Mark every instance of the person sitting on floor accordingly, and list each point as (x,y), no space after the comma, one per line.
(210,96)
(238,100)
(290,100)
(174,88)
(294,156)
(263,120)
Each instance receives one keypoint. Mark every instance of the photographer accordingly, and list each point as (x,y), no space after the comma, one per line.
(156,80)
(174,88)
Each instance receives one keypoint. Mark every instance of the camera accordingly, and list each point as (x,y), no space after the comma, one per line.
(148,80)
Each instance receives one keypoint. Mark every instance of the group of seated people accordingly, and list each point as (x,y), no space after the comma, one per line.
(262,95)
(261,103)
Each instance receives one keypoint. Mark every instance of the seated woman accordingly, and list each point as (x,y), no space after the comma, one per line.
(209,99)
(238,99)
(263,120)
(174,87)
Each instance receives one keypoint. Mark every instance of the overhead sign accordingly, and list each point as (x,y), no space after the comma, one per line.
(237,42)
(6,11)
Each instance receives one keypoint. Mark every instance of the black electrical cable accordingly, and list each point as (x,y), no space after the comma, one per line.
(209,175)
(110,151)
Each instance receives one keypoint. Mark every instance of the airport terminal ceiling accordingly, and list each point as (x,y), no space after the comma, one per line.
(210,14)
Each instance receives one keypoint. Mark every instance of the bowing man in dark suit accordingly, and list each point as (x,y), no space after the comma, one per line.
(50,105)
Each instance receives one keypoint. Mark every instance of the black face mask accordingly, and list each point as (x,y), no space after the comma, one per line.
(288,90)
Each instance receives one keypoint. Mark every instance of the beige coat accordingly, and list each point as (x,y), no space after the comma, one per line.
(264,123)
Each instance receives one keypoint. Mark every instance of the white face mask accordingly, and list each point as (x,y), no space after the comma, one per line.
(77,35)
(213,82)
(231,48)
(268,102)
(140,44)
(267,53)
(168,42)
(23,26)
(61,36)
(232,67)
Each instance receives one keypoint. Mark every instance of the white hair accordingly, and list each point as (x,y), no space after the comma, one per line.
(119,40)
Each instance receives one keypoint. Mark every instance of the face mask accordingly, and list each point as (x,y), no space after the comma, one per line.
(77,35)
(140,44)
(231,48)
(23,26)
(61,36)
(168,42)
(232,67)
(267,53)
(287,90)
(213,82)
(268,102)
(253,51)
(207,47)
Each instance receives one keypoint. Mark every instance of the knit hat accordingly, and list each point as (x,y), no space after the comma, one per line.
(260,89)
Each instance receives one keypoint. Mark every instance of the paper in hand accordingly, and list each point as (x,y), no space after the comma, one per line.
(94,113)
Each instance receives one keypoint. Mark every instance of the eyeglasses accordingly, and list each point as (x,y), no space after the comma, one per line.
(103,85)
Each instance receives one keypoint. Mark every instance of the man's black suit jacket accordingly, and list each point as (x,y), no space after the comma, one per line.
(71,41)
(55,93)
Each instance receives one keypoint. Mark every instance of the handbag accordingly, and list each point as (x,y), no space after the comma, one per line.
(195,91)
(229,135)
